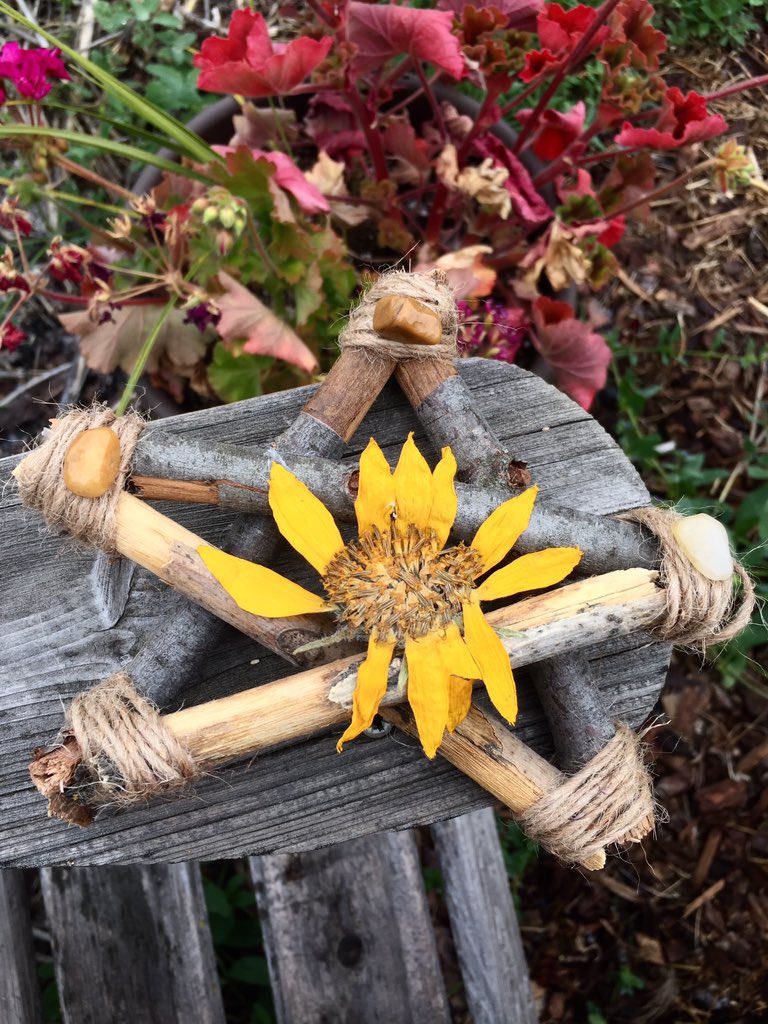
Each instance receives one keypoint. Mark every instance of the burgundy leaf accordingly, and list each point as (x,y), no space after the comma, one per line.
(382,31)
(579,354)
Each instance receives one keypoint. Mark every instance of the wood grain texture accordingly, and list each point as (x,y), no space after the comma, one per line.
(348,934)
(56,643)
(483,920)
(19,990)
(131,944)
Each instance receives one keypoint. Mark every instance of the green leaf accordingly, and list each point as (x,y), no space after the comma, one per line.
(216,900)
(250,969)
(195,147)
(237,377)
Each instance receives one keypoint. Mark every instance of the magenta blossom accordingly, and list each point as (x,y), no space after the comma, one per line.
(490,328)
(11,337)
(31,71)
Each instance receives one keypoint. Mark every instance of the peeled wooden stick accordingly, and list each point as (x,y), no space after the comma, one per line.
(288,709)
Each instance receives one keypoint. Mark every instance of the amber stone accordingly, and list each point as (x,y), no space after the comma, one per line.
(403,319)
(92,462)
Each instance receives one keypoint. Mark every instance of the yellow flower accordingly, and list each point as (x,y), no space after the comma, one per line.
(401,587)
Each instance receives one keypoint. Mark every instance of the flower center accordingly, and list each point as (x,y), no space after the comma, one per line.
(400,585)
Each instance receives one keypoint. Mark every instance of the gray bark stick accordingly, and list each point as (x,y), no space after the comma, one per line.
(242,479)
(348,934)
(131,944)
(483,920)
(19,990)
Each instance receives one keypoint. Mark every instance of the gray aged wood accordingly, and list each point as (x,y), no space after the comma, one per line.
(56,643)
(348,934)
(19,991)
(131,944)
(483,920)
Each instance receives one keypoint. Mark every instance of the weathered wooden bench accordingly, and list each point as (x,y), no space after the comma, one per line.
(346,926)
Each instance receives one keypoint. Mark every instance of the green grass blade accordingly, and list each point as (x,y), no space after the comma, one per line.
(121,149)
(121,126)
(194,146)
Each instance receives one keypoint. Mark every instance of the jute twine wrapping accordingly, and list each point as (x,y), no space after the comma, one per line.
(431,288)
(124,744)
(41,484)
(609,801)
(699,611)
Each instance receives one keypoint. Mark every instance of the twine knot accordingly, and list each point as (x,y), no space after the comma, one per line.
(40,478)
(699,611)
(609,801)
(124,744)
(431,288)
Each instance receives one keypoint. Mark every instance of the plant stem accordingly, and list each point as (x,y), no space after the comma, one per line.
(143,356)
(664,189)
(96,179)
(572,61)
(372,137)
(729,90)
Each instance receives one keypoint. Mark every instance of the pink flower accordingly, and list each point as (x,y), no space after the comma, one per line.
(13,218)
(248,63)
(382,31)
(579,354)
(11,338)
(682,121)
(67,261)
(556,131)
(30,70)
(289,177)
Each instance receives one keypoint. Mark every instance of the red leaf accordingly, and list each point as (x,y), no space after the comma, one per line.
(383,31)
(555,131)
(332,125)
(244,317)
(631,29)
(521,14)
(682,121)
(579,355)
(530,209)
(249,64)
(537,62)
(288,176)
(559,30)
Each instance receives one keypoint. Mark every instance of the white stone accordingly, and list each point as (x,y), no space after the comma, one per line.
(704,542)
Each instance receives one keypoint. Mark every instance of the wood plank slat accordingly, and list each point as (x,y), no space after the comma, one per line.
(60,636)
(19,989)
(348,934)
(483,920)
(131,944)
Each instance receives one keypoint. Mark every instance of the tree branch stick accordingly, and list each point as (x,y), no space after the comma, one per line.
(167,467)
(288,709)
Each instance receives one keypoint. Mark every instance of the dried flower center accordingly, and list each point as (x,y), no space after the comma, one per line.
(401,586)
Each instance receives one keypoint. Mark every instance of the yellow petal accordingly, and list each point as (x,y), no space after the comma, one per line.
(427,690)
(488,651)
(431,663)
(444,502)
(303,519)
(459,701)
(503,527)
(413,488)
(259,590)
(375,501)
(371,687)
(530,572)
